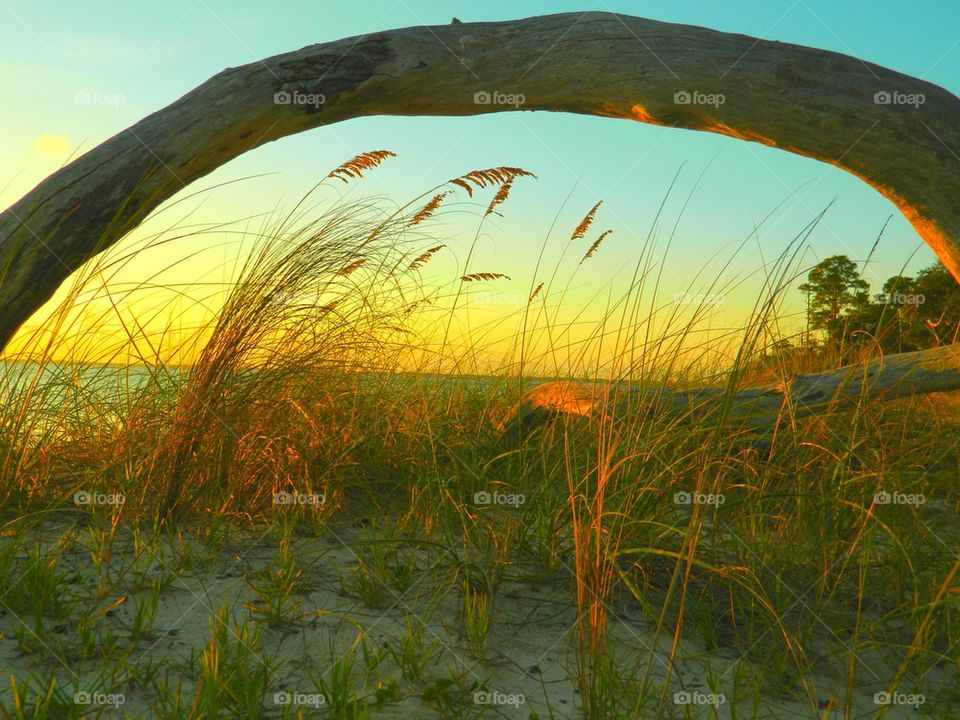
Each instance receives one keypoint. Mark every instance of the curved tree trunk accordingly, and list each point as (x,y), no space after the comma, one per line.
(806,101)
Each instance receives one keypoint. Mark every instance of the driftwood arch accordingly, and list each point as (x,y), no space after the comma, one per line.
(899,134)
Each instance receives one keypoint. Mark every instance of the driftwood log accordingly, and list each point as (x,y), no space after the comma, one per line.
(897,133)
(756,408)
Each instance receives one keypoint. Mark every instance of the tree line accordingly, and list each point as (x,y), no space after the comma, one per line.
(908,313)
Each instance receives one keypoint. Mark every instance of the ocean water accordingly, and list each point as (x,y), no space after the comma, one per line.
(52,386)
(60,380)
(88,395)
(60,390)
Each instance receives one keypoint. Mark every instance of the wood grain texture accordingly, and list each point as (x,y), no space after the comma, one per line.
(806,101)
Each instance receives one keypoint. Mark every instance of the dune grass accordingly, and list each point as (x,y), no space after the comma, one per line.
(319,516)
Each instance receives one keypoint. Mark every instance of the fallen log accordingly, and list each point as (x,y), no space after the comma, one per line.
(899,134)
(757,408)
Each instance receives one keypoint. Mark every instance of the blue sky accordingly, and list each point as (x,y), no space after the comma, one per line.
(145,55)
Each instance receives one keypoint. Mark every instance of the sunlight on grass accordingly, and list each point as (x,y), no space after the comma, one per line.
(318,511)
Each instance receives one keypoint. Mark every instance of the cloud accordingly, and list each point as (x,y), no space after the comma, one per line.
(52,146)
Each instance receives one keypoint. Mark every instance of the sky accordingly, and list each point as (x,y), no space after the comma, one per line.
(134,58)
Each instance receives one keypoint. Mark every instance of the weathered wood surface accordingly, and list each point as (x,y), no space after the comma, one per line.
(806,101)
(760,408)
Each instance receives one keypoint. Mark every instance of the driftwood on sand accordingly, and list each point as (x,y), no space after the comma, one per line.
(758,408)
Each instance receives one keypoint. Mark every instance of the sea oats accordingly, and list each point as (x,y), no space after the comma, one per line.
(489,177)
(593,248)
(502,194)
(422,259)
(477,277)
(584,225)
(356,264)
(365,161)
(429,209)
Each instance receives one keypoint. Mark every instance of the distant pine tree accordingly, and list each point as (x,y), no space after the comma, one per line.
(835,291)
(908,314)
